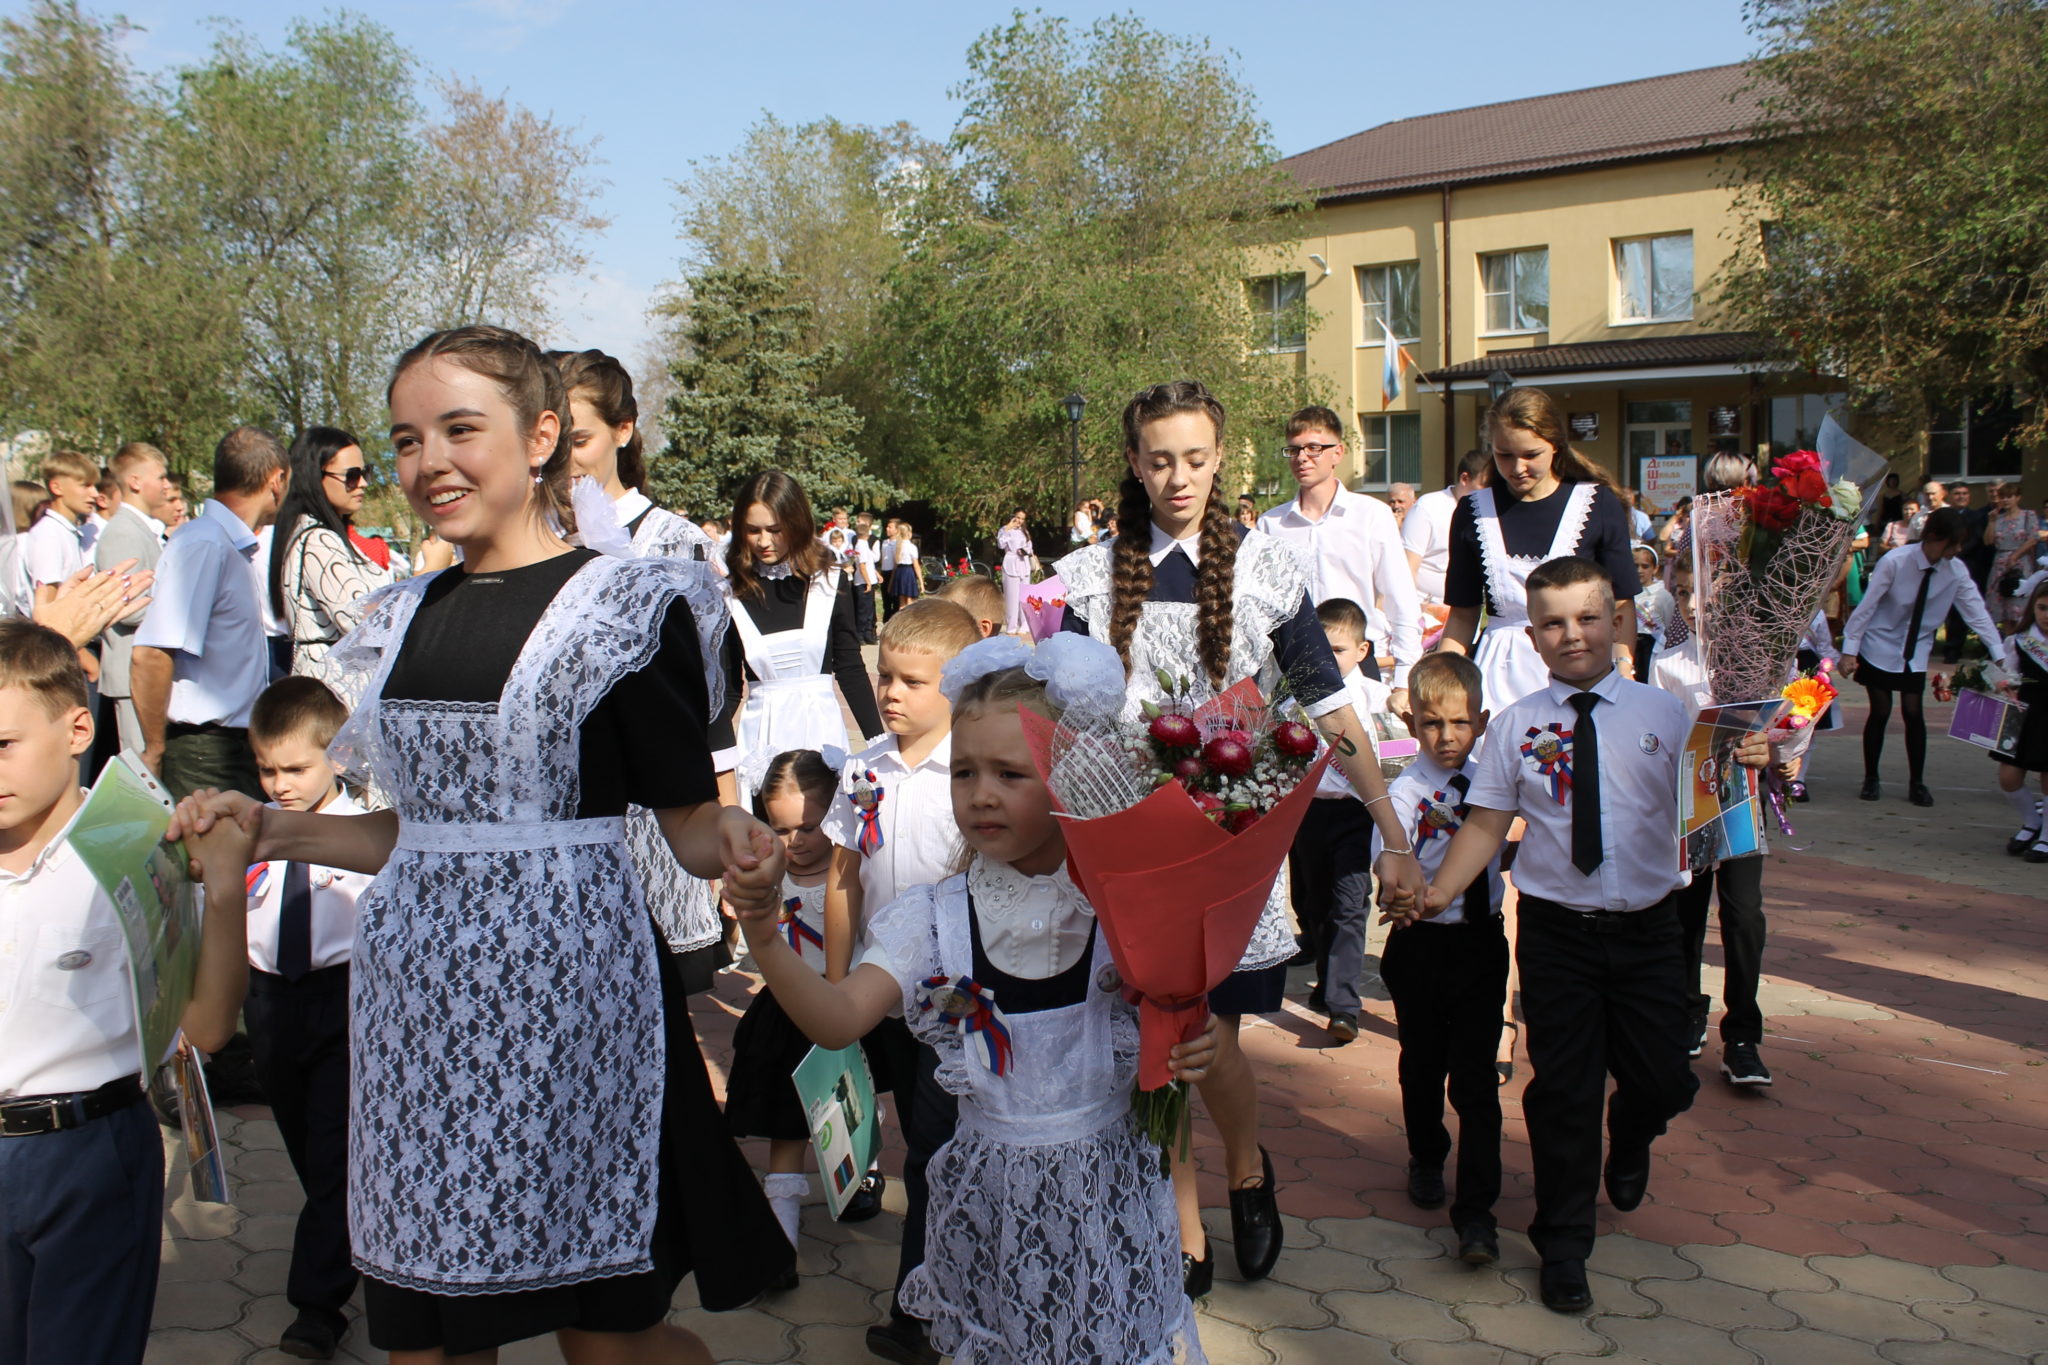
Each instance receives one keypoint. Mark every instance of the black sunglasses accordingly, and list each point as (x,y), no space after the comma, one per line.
(351,478)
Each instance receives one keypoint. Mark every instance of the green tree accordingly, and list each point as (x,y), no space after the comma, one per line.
(1103,202)
(1895,201)
(746,398)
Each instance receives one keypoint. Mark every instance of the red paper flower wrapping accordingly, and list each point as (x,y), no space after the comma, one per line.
(1177,895)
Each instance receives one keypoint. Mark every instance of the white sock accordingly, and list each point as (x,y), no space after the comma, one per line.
(786,1193)
(2027,806)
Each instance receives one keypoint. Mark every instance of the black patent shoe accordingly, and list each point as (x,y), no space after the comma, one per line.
(2021,842)
(2038,853)
(1628,1177)
(1196,1277)
(902,1340)
(1871,790)
(1478,1245)
(1563,1286)
(1425,1185)
(1255,1224)
(1919,795)
(867,1200)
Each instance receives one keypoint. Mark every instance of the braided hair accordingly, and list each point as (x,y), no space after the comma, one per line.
(1131,557)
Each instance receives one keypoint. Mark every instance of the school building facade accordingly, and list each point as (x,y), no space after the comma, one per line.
(1569,242)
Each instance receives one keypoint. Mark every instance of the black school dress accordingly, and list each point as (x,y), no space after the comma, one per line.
(2030,750)
(642,743)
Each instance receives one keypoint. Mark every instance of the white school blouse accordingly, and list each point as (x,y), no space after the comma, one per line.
(1642,738)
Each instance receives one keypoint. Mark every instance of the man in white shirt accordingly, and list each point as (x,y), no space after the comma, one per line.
(1400,498)
(1426,532)
(133,531)
(1349,542)
(1887,639)
(201,657)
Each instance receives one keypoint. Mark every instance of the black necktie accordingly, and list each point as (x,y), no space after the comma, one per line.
(1913,622)
(295,924)
(1587,853)
(1478,904)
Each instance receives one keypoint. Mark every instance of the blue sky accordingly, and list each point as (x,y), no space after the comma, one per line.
(661,84)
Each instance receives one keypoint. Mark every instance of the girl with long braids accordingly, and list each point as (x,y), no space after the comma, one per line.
(1186,590)
(615,516)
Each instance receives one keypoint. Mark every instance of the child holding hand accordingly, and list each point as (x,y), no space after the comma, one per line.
(1053,1236)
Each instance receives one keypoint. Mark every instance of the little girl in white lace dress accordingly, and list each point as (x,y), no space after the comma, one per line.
(1053,1236)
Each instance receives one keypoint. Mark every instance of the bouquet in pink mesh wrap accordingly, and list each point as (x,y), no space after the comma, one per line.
(1764,558)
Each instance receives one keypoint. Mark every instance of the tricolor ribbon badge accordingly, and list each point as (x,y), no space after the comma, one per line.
(867,803)
(793,925)
(983,1030)
(1549,749)
(258,880)
(1435,816)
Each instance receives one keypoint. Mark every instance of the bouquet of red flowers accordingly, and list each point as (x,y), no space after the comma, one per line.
(1177,823)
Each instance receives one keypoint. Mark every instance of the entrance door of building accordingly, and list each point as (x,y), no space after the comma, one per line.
(1656,429)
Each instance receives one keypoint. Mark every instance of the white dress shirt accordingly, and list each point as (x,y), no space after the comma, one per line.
(1642,738)
(67,1012)
(274,625)
(89,534)
(1354,550)
(1876,631)
(335,892)
(1427,534)
(887,556)
(920,841)
(1031,927)
(1426,803)
(53,549)
(206,614)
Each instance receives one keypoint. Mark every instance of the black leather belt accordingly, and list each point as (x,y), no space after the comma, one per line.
(178,729)
(41,1114)
(1599,921)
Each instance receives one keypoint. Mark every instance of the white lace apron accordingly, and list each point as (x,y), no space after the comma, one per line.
(506,1021)
(685,908)
(1506,658)
(1267,590)
(1052,1237)
(790,700)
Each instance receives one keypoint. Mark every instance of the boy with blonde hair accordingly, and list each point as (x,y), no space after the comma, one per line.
(893,823)
(980,597)
(54,548)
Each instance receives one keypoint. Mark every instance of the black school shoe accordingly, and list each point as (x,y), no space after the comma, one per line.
(1198,1277)
(313,1335)
(867,1200)
(1478,1244)
(1919,795)
(1628,1177)
(1426,1185)
(902,1340)
(1255,1224)
(1871,790)
(1563,1286)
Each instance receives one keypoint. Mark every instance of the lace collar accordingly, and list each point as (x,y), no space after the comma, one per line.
(779,569)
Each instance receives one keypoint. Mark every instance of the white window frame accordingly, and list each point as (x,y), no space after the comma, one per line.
(1367,421)
(1617,316)
(1368,319)
(1515,278)
(1270,312)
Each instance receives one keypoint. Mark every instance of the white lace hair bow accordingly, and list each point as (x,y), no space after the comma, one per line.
(980,659)
(1083,676)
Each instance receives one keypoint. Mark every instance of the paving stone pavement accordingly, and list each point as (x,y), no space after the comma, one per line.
(1885,1201)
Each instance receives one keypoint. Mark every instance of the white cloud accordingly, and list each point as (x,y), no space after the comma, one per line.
(505,24)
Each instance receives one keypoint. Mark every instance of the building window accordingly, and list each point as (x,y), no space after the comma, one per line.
(1391,449)
(1973,439)
(1653,279)
(1516,287)
(1279,305)
(1390,294)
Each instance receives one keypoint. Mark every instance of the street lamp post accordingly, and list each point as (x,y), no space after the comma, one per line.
(1498,383)
(1075,404)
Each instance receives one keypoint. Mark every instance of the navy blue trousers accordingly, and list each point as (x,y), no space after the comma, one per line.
(81,1230)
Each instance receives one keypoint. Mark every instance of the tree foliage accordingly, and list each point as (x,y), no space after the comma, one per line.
(746,398)
(1896,201)
(257,236)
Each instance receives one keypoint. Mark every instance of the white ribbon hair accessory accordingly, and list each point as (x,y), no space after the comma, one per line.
(597,519)
(980,659)
(1082,675)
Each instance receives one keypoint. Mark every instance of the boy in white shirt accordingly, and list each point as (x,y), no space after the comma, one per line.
(301,926)
(81,1157)
(1448,973)
(1591,762)
(893,823)
(1329,866)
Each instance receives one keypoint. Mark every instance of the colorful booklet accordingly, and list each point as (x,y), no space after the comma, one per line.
(203,1155)
(1719,814)
(838,1096)
(1987,721)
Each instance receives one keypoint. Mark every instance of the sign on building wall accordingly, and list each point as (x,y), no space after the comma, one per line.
(1667,478)
(1585,426)
(1724,421)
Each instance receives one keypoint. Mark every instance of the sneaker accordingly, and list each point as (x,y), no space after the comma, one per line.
(1698,1033)
(1741,1064)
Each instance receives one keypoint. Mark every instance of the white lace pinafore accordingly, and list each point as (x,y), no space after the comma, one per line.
(685,908)
(506,1021)
(1052,1238)
(1506,658)
(1267,590)
(790,702)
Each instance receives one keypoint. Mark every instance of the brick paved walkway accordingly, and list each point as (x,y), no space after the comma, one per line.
(1886,1200)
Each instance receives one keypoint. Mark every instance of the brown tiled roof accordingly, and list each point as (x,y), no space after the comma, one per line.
(1707,348)
(1659,116)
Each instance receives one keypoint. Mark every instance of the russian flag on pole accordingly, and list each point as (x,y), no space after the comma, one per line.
(1390,368)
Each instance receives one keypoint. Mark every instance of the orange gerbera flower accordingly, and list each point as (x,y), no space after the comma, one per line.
(1809,696)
